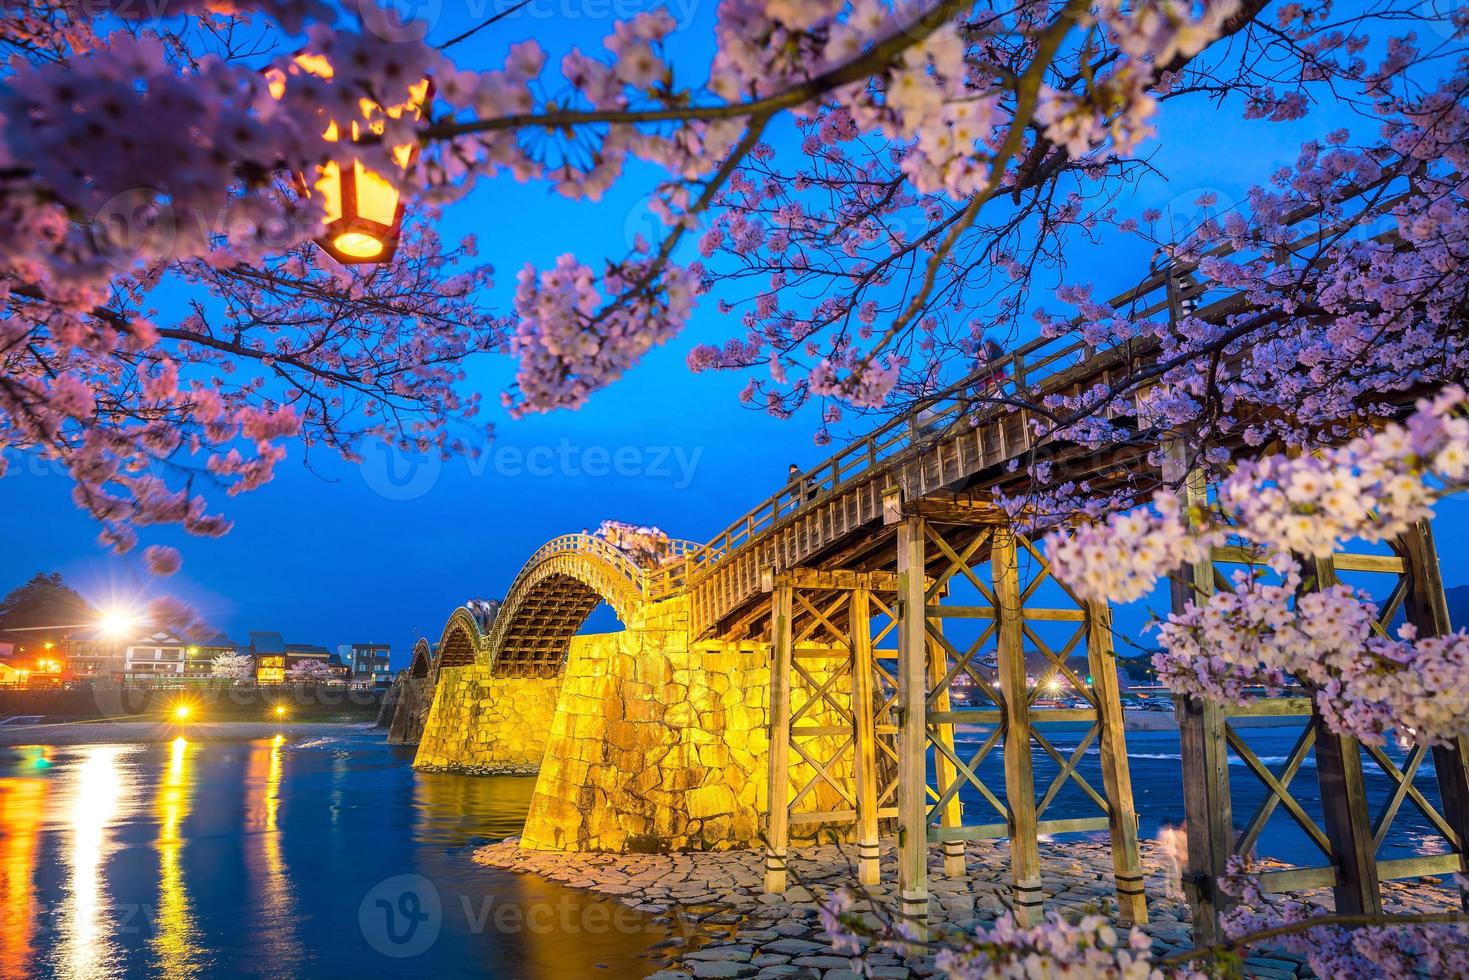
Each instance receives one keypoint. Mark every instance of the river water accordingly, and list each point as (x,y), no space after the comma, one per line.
(1156,769)
(323,856)
(330,856)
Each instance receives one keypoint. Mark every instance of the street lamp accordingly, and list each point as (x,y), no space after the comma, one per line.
(363,208)
(116,625)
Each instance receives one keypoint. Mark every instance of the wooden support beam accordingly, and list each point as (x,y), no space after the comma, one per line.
(1202,744)
(865,732)
(1427,608)
(1127,867)
(830,579)
(912,723)
(1348,823)
(956,508)
(1236,555)
(1019,777)
(944,771)
(777,829)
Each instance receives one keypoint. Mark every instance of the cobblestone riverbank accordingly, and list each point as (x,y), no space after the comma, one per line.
(723,926)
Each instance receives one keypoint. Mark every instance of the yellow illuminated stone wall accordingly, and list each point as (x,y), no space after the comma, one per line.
(652,745)
(484,724)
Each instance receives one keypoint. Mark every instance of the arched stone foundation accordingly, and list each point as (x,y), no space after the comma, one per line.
(643,742)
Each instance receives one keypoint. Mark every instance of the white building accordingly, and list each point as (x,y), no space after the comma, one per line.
(158,654)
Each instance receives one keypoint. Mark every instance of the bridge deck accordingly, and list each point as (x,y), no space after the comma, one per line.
(958,446)
(966,440)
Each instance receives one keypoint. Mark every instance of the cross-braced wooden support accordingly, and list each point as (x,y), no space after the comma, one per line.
(975,674)
(829,730)
(1351,831)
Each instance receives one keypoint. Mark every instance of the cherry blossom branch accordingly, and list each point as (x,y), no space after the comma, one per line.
(879,56)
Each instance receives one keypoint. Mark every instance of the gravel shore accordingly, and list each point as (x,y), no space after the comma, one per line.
(725,927)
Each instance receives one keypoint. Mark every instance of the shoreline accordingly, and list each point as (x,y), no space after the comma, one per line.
(149,732)
(98,731)
(724,926)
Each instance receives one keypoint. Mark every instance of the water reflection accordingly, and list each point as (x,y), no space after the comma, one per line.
(21,804)
(270,881)
(453,810)
(88,949)
(252,860)
(175,937)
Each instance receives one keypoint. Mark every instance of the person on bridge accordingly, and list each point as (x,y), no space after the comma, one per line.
(798,493)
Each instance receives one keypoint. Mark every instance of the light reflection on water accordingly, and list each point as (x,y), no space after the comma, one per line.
(269,882)
(175,940)
(256,858)
(22,802)
(97,798)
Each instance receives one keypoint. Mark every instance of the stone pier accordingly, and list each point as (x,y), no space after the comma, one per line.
(480,723)
(642,743)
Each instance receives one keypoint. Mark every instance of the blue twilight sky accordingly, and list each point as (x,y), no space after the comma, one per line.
(332,553)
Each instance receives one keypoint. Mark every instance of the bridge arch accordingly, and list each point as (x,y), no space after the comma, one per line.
(461,642)
(414,695)
(553,594)
(423,657)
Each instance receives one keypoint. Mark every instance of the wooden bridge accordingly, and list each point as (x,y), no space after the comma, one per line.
(898,536)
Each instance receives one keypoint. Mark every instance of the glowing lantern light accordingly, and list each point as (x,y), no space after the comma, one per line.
(363,209)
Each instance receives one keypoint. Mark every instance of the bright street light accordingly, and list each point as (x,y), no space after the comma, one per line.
(116,623)
(181,712)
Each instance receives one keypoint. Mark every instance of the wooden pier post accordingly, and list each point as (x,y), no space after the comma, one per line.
(1202,742)
(1348,823)
(1019,777)
(865,735)
(912,725)
(1428,609)
(945,773)
(1132,903)
(777,830)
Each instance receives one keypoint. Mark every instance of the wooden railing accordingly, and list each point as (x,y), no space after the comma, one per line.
(1001,386)
(1004,384)
(649,582)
